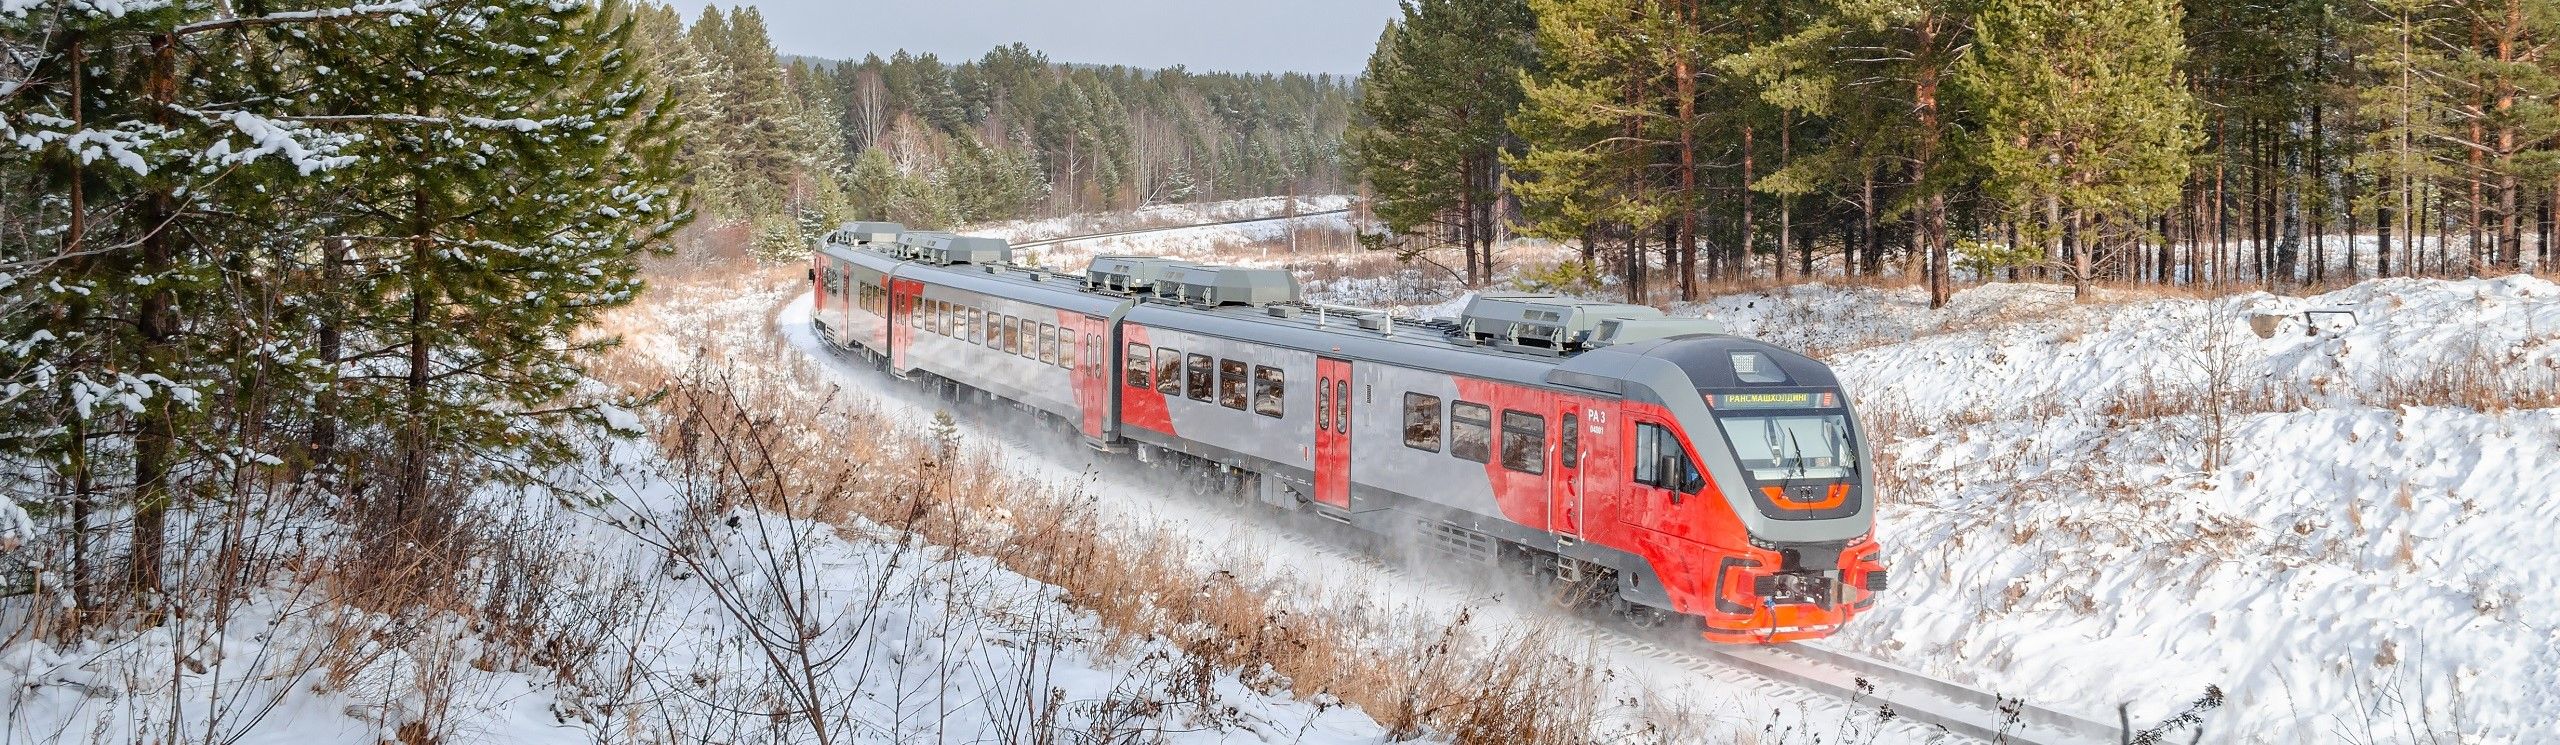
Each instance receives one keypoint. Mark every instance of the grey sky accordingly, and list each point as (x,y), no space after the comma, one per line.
(1231,35)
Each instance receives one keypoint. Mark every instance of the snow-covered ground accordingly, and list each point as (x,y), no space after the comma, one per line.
(2367,560)
(652,609)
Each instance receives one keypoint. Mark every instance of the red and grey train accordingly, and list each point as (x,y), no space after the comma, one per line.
(1651,463)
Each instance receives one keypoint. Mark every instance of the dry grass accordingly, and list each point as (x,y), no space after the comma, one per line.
(1449,676)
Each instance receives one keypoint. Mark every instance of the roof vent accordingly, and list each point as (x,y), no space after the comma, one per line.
(947,249)
(1632,330)
(866,233)
(1282,311)
(1126,273)
(1225,285)
(1543,321)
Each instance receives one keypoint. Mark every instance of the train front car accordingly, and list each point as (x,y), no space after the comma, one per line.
(1772,492)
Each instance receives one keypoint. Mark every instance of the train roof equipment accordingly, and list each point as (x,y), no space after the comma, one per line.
(859,234)
(945,249)
(1558,324)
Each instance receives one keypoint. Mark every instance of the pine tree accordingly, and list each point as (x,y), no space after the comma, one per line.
(517,167)
(1435,108)
(2081,107)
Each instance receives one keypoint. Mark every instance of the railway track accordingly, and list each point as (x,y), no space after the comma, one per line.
(1143,231)
(1859,682)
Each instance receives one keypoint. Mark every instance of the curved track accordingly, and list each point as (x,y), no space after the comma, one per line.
(1862,683)
(1142,231)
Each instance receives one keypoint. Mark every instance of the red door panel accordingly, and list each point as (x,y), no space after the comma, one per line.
(1569,445)
(1092,367)
(903,294)
(1333,432)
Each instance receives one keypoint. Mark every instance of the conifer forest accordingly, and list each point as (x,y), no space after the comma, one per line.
(2085,140)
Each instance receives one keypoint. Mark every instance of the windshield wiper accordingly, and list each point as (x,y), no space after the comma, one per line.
(1796,457)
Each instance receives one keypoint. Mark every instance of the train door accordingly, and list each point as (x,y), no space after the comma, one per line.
(1333,432)
(903,320)
(1564,514)
(1092,369)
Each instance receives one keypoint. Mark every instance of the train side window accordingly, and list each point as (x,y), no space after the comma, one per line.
(976,333)
(915,319)
(1202,376)
(1030,339)
(1569,442)
(1324,404)
(1049,343)
(1524,442)
(1066,347)
(1648,455)
(942,318)
(1422,422)
(1231,384)
(1012,336)
(1136,372)
(1270,391)
(1471,431)
(1342,406)
(1662,462)
(1169,372)
(1093,346)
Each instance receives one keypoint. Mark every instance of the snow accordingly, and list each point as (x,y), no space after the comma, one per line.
(911,643)
(2366,562)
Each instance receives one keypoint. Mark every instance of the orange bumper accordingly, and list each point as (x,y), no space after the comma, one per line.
(1736,614)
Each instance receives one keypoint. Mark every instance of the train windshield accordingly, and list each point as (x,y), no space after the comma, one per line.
(1776,446)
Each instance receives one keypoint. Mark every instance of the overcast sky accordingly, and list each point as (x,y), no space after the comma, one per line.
(1226,35)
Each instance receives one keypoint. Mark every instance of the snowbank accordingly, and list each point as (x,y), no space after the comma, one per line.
(2368,562)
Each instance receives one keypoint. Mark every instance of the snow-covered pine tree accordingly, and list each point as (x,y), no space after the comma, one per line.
(142,215)
(516,168)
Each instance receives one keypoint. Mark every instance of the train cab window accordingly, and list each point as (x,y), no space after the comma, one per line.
(1139,358)
(1049,343)
(1471,431)
(1569,442)
(1524,442)
(1201,377)
(1012,336)
(1169,372)
(1662,462)
(1270,391)
(1231,384)
(1422,422)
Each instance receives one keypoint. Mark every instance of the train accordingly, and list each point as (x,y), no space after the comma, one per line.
(1655,466)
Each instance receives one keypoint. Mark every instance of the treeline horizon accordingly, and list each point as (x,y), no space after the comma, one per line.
(2087,140)
(785,146)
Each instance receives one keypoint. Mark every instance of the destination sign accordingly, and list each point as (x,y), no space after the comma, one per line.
(1798,400)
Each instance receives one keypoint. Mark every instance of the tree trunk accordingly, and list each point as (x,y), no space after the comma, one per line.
(1742,248)
(155,432)
(1874,260)
(1687,89)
